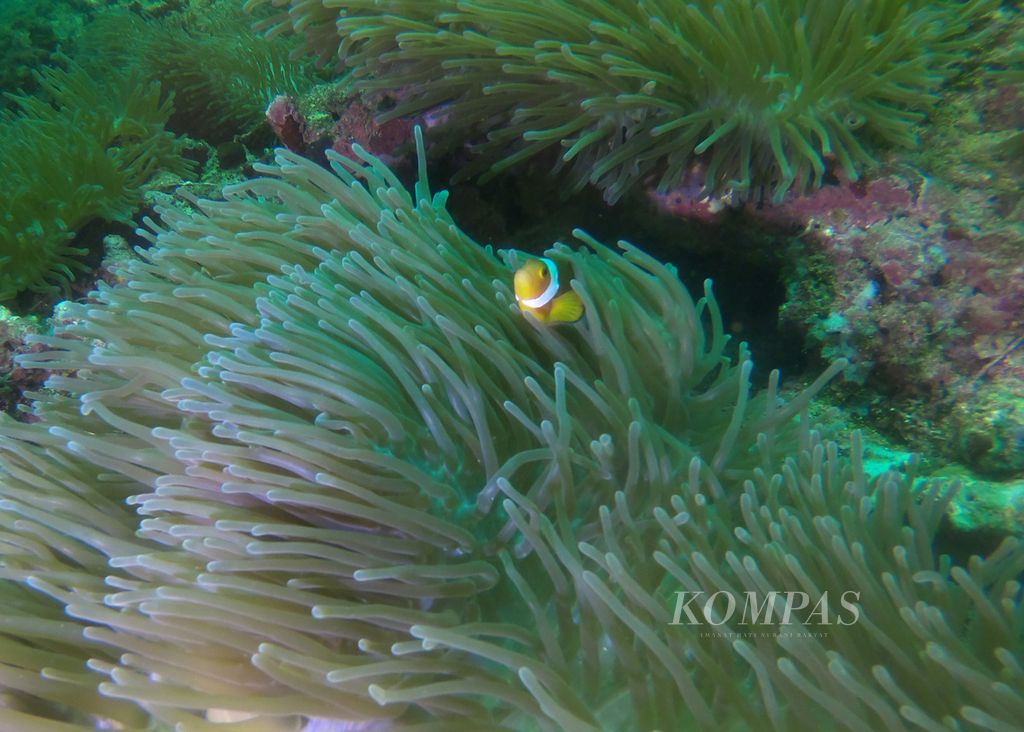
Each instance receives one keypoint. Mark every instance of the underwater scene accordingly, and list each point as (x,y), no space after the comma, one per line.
(490,365)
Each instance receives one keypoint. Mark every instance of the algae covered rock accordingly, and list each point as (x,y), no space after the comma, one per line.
(990,429)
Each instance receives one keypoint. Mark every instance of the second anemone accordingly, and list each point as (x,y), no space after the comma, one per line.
(746,96)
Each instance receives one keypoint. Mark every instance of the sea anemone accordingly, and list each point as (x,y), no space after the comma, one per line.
(222,74)
(747,95)
(311,464)
(79,150)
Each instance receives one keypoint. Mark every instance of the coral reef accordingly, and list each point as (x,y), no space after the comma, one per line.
(753,94)
(311,462)
(922,289)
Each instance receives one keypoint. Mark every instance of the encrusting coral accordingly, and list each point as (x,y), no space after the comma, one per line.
(78,151)
(310,462)
(742,95)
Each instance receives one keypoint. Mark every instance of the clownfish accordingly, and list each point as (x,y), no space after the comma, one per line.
(536,286)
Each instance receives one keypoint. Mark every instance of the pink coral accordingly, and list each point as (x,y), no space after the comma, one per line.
(358,125)
(288,124)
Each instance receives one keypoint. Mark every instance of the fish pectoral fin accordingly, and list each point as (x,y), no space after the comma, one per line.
(567,308)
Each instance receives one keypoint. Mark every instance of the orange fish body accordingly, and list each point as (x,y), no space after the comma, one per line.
(537,288)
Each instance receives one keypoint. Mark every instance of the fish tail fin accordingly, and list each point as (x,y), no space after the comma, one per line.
(567,308)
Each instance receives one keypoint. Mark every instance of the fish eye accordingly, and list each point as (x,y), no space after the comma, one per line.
(544,274)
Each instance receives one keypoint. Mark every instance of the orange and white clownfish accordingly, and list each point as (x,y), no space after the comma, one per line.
(536,285)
